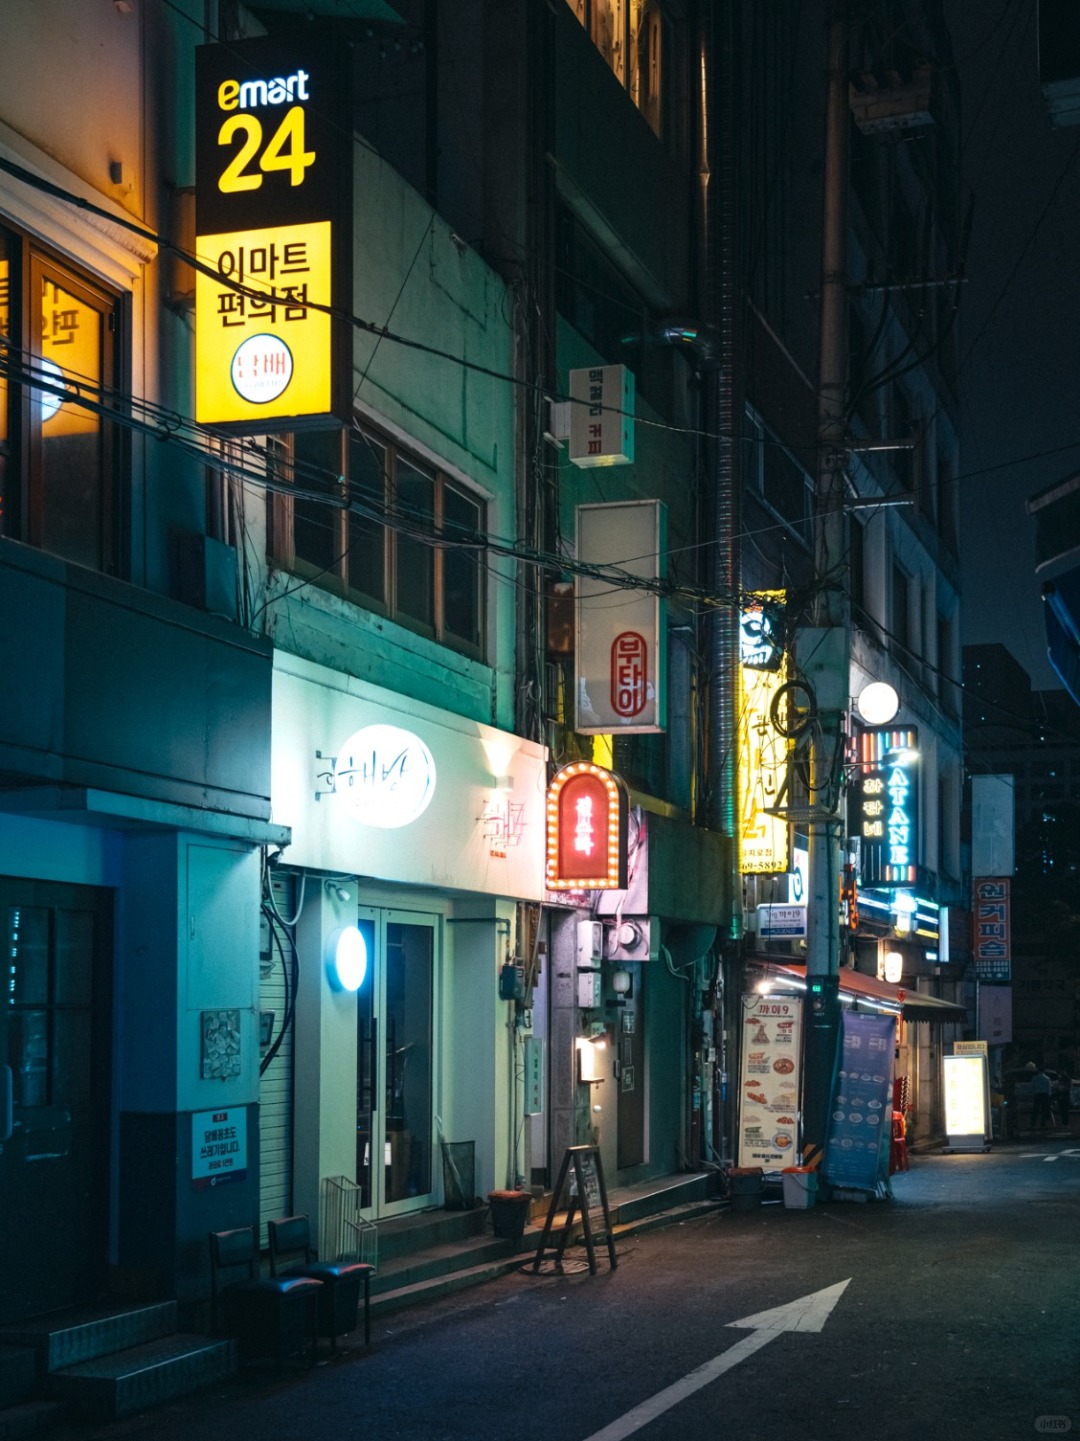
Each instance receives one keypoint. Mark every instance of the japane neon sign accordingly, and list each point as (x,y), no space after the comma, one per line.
(888,806)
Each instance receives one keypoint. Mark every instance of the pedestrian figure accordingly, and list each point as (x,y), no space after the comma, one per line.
(1061,1097)
(1041,1115)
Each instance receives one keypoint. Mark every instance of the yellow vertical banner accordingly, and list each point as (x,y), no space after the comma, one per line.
(763,751)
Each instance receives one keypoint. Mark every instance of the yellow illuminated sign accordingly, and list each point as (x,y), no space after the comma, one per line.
(261,352)
(762,770)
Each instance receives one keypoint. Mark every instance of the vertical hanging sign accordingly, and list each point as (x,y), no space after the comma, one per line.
(602,416)
(992,939)
(273,234)
(763,751)
(620,653)
(888,806)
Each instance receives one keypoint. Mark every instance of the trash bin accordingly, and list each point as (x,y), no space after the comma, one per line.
(800,1187)
(509,1213)
(746,1183)
(459,1175)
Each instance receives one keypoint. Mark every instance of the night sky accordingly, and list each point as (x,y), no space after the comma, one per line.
(1020,320)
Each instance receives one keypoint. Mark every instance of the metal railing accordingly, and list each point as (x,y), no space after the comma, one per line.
(345,1233)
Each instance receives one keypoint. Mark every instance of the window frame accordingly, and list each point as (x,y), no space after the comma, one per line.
(23,477)
(335,577)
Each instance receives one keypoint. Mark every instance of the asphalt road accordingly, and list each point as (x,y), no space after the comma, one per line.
(952,1310)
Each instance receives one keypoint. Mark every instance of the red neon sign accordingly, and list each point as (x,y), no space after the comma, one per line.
(586,829)
(629,674)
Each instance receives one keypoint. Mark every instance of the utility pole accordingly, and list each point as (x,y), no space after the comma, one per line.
(824,648)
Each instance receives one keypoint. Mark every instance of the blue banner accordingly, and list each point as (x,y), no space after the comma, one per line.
(860,1117)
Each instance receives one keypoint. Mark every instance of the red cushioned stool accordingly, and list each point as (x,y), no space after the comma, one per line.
(898,1157)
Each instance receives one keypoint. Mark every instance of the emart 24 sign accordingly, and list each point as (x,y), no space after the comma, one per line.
(272,212)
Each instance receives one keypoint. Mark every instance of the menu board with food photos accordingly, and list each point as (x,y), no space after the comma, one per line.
(860,1121)
(769,1081)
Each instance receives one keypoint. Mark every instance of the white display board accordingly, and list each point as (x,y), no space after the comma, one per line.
(966,1114)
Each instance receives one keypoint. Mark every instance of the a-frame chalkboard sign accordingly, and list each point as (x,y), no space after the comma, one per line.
(580,1188)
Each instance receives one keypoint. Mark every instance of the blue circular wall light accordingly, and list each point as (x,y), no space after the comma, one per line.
(347,961)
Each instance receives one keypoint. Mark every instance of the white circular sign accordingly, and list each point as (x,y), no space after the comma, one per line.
(878,703)
(262,368)
(387,774)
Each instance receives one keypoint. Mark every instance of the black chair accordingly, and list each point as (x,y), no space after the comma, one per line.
(339,1301)
(269,1316)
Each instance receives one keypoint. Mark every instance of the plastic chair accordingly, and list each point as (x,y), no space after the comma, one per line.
(339,1301)
(272,1316)
(898,1156)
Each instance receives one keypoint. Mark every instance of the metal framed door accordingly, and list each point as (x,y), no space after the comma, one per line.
(55,1049)
(397,1062)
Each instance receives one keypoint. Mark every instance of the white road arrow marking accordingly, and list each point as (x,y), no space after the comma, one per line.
(808,1313)
(1042,1156)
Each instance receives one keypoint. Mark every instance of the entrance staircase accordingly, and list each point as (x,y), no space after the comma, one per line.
(435,1253)
(99,1366)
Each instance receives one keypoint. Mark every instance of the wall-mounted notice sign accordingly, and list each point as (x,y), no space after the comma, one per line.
(218,1146)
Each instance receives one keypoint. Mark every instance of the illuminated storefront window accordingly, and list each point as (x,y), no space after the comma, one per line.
(57,457)
(629,34)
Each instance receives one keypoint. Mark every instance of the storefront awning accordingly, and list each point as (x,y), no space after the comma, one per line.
(911,1005)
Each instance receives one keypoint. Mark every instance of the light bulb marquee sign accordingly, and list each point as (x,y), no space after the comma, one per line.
(888,806)
(587,817)
(272,217)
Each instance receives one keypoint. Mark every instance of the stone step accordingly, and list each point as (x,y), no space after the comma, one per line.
(77,1336)
(405,1234)
(139,1377)
(445,1284)
(18,1374)
(430,1262)
(30,1418)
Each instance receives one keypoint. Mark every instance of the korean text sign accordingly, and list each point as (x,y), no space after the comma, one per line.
(769,1080)
(273,234)
(218,1146)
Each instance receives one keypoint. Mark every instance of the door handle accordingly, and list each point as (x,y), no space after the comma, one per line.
(374,1071)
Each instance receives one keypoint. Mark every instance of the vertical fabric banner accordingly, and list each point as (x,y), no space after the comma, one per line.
(860,1119)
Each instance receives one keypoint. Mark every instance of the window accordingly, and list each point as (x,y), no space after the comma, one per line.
(629,34)
(773,471)
(59,475)
(857,566)
(385,530)
(901,612)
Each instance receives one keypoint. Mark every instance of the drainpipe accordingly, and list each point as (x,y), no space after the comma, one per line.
(722,424)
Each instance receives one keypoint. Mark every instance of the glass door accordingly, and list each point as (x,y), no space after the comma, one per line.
(395,1107)
(55,1033)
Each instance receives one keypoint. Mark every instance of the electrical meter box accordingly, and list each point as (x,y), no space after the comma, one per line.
(588,990)
(590,943)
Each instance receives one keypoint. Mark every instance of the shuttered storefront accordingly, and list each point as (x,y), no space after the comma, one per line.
(277,974)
